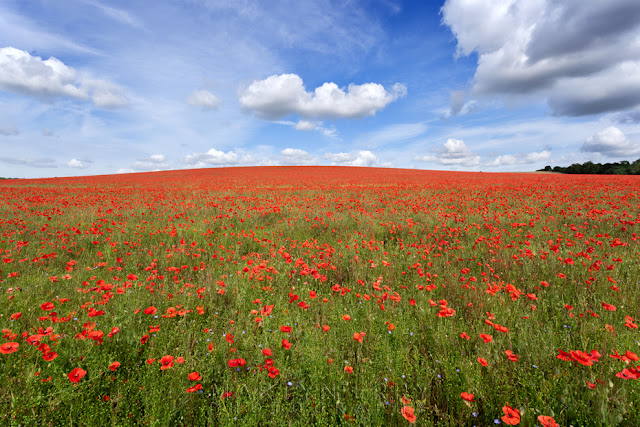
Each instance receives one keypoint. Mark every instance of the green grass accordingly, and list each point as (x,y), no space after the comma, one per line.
(189,246)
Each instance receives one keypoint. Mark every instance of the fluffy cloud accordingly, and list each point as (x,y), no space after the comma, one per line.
(584,57)
(359,158)
(31,75)
(153,162)
(77,164)
(520,159)
(611,142)
(295,156)
(282,95)
(213,157)
(204,99)
(452,152)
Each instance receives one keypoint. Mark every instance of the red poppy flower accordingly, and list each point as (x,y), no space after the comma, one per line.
(348,369)
(273,371)
(482,361)
(547,421)
(407,413)
(267,352)
(511,416)
(465,336)
(150,310)
(194,376)
(194,388)
(486,338)
(47,306)
(286,344)
(49,355)
(467,396)
(285,329)
(167,362)
(608,307)
(114,366)
(9,347)
(16,316)
(346,317)
(76,375)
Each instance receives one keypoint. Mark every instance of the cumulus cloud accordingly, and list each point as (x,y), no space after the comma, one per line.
(213,157)
(282,95)
(295,156)
(611,142)
(77,164)
(22,73)
(520,159)
(452,152)
(583,57)
(358,158)
(151,163)
(204,99)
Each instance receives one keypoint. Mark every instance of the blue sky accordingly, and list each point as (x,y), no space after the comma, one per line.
(100,87)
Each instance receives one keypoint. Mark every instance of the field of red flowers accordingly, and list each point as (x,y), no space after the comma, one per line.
(320,295)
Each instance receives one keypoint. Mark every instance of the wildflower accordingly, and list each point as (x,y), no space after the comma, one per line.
(167,362)
(407,413)
(348,369)
(194,376)
(467,396)
(76,375)
(547,421)
(114,366)
(9,347)
(511,416)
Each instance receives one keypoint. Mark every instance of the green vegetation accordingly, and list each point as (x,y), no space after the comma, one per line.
(308,296)
(622,168)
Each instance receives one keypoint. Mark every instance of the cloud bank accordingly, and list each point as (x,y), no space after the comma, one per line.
(582,57)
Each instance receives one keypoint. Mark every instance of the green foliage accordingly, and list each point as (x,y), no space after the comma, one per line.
(618,168)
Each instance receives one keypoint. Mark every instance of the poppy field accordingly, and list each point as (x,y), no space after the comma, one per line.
(320,296)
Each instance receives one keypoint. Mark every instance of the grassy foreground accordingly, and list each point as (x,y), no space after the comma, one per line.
(319,295)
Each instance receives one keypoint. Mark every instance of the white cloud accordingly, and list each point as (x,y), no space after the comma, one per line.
(305,125)
(452,152)
(282,95)
(204,99)
(583,57)
(124,170)
(105,94)
(358,158)
(31,75)
(76,164)
(152,163)
(295,156)
(611,142)
(213,157)
(520,159)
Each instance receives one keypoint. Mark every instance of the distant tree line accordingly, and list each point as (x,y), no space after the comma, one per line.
(619,168)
